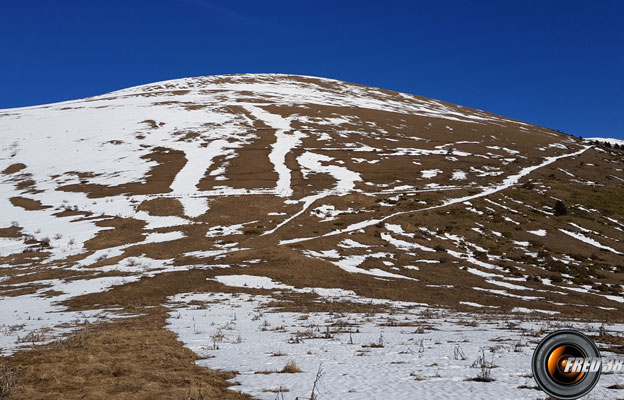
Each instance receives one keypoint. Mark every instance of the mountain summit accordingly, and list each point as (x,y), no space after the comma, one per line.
(117,203)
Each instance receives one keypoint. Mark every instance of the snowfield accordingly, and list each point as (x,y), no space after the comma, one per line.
(409,352)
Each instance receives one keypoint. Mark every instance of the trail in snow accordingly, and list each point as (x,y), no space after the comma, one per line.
(307,202)
(507,183)
(351,263)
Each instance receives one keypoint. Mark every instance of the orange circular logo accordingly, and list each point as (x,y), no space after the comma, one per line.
(566,364)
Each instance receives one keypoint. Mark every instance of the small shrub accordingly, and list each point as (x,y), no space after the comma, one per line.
(217,337)
(560,209)
(458,353)
(290,368)
(319,375)
(378,345)
(485,375)
(528,185)
(280,389)
(481,361)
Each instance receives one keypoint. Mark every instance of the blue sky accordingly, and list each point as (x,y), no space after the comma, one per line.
(559,64)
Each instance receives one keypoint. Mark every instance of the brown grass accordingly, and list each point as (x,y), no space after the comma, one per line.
(280,389)
(291,368)
(162,206)
(127,230)
(11,169)
(8,380)
(158,180)
(27,204)
(11,232)
(133,358)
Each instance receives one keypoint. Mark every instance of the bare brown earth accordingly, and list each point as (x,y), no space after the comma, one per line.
(161,206)
(157,181)
(27,204)
(11,169)
(136,358)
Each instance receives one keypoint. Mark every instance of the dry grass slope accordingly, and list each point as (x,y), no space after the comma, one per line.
(134,359)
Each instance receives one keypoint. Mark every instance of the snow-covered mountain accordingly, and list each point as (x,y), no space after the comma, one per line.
(308,187)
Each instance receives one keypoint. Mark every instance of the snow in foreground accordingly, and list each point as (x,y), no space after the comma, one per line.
(409,352)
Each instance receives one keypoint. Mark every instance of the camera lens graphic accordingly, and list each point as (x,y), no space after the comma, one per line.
(561,351)
(558,360)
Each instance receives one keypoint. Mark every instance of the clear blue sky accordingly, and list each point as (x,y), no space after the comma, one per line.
(558,64)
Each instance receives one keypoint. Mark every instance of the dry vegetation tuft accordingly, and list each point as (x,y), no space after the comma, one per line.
(290,368)
(8,380)
(134,358)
